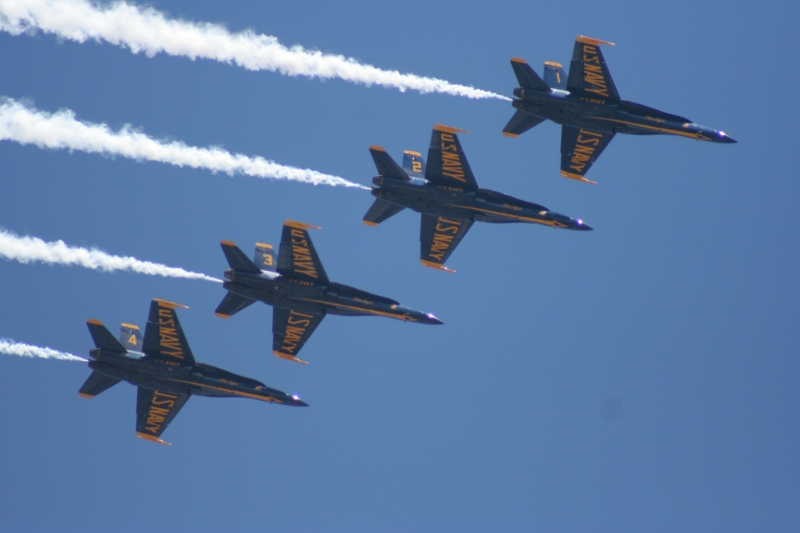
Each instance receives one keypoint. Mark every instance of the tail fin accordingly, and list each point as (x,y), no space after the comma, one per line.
(380,211)
(413,163)
(387,167)
(236,258)
(103,339)
(264,257)
(526,77)
(554,75)
(131,337)
(232,304)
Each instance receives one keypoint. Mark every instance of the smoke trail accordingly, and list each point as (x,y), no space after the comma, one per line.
(27,249)
(27,125)
(8,346)
(149,31)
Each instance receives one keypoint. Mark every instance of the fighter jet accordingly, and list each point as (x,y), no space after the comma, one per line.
(298,288)
(164,371)
(447,196)
(587,105)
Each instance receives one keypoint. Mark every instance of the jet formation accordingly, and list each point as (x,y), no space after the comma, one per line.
(298,288)
(448,197)
(587,105)
(164,371)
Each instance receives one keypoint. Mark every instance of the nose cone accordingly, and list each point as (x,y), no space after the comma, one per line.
(722,137)
(295,401)
(428,318)
(580,225)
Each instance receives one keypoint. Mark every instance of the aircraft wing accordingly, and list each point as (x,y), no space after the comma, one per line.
(297,257)
(447,164)
(588,73)
(580,148)
(290,331)
(154,411)
(164,340)
(439,237)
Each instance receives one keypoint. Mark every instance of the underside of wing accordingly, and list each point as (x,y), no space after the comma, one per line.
(439,237)
(164,340)
(297,257)
(588,73)
(447,164)
(580,148)
(154,411)
(290,331)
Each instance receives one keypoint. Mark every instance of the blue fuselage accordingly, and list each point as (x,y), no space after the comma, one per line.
(482,205)
(199,379)
(318,298)
(606,116)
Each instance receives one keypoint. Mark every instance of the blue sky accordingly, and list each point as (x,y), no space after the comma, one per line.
(681,307)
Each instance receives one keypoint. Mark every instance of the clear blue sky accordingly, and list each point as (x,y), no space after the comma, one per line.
(681,307)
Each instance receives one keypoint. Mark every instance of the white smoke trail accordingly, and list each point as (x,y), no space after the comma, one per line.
(27,249)
(147,30)
(8,346)
(27,125)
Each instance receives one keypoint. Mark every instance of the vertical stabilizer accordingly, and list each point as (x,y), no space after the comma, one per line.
(264,257)
(131,337)
(554,75)
(413,164)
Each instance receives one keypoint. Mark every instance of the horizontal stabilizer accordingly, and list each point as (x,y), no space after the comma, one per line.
(527,78)
(387,167)
(103,338)
(95,384)
(521,122)
(236,258)
(232,304)
(380,211)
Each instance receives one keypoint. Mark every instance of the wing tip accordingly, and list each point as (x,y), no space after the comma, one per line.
(377,148)
(437,266)
(370,223)
(227,243)
(577,177)
(84,395)
(168,304)
(512,135)
(94,321)
(518,60)
(448,129)
(222,315)
(299,225)
(591,40)
(151,438)
(288,357)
